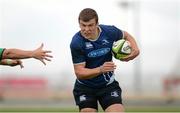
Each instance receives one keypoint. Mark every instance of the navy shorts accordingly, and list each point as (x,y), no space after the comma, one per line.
(87,97)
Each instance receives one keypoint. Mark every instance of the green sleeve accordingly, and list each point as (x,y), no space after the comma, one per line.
(1,52)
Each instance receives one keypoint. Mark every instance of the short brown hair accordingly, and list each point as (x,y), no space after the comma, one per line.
(88,14)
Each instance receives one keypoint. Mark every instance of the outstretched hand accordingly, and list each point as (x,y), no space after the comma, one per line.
(41,54)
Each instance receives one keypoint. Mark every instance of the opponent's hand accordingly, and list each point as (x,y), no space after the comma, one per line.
(107,67)
(41,54)
(12,62)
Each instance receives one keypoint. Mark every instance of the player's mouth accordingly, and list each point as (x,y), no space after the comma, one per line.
(87,34)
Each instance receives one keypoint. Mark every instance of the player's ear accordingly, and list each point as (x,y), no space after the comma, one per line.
(97,24)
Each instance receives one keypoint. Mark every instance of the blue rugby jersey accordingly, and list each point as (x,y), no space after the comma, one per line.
(95,53)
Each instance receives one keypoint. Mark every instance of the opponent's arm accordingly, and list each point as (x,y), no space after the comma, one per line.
(38,53)
(86,73)
(135,50)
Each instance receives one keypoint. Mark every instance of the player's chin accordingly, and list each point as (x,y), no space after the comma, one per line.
(87,36)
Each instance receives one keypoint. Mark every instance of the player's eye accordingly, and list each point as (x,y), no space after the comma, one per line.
(83,25)
(90,25)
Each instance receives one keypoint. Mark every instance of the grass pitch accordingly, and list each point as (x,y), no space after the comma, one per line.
(68,109)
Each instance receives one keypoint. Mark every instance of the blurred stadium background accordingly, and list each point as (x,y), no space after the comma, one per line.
(151,83)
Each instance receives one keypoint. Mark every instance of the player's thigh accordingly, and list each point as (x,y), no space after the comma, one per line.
(115,108)
(111,95)
(88,110)
(85,98)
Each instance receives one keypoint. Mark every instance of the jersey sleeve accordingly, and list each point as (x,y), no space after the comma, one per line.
(118,34)
(113,32)
(77,53)
(1,52)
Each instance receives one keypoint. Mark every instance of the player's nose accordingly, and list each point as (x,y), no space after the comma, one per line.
(86,28)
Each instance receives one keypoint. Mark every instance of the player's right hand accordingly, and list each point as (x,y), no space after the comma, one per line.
(107,67)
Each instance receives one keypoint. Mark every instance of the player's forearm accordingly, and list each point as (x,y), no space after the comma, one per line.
(135,50)
(131,40)
(85,73)
(17,54)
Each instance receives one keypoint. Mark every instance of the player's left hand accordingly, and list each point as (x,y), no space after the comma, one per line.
(134,54)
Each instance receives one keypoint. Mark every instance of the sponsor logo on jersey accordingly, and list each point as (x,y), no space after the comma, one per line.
(98,52)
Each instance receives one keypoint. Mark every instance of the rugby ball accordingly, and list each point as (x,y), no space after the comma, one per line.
(121,49)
